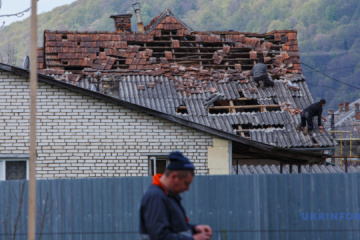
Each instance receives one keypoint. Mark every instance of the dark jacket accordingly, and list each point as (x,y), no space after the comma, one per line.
(315,109)
(161,215)
(259,70)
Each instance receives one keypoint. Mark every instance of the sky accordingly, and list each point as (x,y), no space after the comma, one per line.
(15,6)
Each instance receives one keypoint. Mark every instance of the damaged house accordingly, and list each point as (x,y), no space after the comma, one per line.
(116,103)
(345,126)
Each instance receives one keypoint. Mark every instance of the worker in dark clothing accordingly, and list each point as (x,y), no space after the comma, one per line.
(260,74)
(162,216)
(307,115)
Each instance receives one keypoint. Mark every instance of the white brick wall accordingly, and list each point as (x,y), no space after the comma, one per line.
(79,136)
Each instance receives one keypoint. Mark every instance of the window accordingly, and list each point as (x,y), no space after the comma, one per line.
(14,168)
(157,164)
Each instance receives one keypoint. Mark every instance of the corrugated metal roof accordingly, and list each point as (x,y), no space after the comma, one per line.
(275,169)
(276,127)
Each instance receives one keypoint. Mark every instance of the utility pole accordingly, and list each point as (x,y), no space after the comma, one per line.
(332,122)
(33,85)
(332,127)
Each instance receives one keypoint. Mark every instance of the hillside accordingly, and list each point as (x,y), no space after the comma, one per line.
(328,33)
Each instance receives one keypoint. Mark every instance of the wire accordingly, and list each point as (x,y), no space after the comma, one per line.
(19,14)
(325,86)
(334,69)
(329,76)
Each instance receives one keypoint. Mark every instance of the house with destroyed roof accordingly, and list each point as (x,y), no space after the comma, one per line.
(116,103)
(344,124)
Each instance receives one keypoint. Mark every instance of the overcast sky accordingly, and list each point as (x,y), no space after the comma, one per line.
(15,6)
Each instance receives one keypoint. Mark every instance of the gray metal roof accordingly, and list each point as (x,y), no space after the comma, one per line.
(270,152)
(277,128)
(275,169)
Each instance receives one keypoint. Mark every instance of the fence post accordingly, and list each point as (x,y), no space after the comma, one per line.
(346,164)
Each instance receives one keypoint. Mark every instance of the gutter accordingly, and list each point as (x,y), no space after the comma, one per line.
(314,149)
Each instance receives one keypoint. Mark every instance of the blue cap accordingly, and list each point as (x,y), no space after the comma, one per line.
(179,162)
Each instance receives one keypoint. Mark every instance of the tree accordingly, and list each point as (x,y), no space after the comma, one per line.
(11,229)
(8,56)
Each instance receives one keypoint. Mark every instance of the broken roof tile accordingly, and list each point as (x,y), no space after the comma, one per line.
(253,55)
(210,59)
(218,60)
(168,55)
(175,44)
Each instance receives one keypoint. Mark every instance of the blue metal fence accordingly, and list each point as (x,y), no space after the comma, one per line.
(294,206)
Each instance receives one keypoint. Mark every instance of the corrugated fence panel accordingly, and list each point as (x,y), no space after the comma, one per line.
(275,206)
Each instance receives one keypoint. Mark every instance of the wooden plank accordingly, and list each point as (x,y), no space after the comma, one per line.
(232,105)
(241,131)
(243,107)
(207,58)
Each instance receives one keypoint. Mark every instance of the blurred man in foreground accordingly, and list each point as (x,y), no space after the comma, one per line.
(162,216)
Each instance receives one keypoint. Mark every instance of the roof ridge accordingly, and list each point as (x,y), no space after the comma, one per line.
(155,21)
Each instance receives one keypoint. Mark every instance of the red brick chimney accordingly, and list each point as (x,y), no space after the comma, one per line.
(357,116)
(341,107)
(357,107)
(347,106)
(122,22)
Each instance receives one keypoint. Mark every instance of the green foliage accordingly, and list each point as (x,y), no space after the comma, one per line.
(330,13)
(328,32)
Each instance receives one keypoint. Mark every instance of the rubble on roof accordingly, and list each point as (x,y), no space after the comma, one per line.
(202,77)
(286,107)
(167,40)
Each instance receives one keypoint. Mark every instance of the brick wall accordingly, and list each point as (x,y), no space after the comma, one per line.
(79,136)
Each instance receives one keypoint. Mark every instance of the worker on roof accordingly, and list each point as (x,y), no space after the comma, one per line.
(162,216)
(260,74)
(307,115)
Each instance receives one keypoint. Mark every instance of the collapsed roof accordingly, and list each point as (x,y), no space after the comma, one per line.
(202,77)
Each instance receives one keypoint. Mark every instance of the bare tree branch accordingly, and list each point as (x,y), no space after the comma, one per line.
(43,214)
(11,230)
(5,223)
(19,211)
(18,14)
(9,233)
(8,56)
